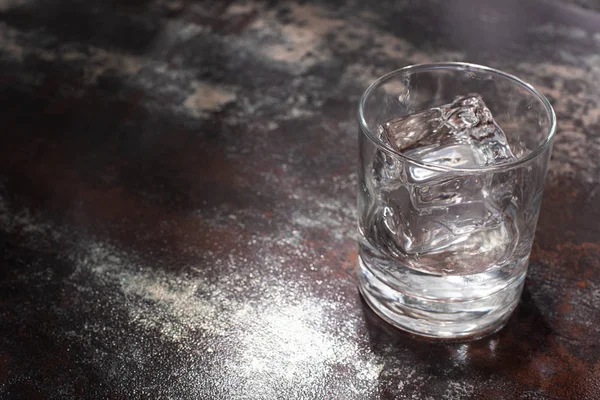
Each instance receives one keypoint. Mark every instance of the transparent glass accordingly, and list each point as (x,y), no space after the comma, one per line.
(443,248)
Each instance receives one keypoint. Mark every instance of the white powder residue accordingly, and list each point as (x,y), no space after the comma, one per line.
(154,299)
(458,391)
(331,214)
(23,221)
(285,338)
(415,384)
(337,227)
(291,347)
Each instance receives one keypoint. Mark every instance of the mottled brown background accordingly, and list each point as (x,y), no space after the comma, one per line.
(177,200)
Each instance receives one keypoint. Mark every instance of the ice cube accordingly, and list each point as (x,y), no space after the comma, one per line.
(460,134)
(430,210)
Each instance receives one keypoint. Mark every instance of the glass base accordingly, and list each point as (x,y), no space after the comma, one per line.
(439,318)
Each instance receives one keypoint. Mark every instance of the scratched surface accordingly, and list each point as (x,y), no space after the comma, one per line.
(177,200)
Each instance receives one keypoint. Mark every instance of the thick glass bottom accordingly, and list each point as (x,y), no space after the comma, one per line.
(454,318)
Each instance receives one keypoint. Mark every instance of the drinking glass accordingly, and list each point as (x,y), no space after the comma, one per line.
(443,246)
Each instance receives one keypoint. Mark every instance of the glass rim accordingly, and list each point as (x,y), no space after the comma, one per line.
(457,66)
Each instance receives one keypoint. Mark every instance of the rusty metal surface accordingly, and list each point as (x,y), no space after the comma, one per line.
(177,201)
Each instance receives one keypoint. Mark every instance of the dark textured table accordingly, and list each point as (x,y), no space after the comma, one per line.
(177,200)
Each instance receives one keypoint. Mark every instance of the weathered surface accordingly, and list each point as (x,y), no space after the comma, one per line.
(177,201)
